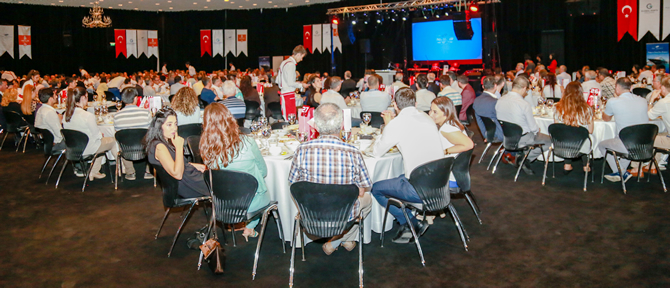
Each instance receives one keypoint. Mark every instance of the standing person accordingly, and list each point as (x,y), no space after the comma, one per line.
(164,69)
(287,81)
(191,69)
(552,66)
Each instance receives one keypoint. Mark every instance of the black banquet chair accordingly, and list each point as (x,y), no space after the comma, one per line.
(567,141)
(75,143)
(490,127)
(461,171)
(253,110)
(376,121)
(431,182)
(232,193)
(279,125)
(512,134)
(171,199)
(109,96)
(49,152)
(639,141)
(130,148)
(323,211)
(193,143)
(275,110)
(642,92)
(15,125)
(185,131)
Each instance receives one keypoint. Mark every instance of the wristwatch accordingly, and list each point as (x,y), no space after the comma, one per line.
(446,151)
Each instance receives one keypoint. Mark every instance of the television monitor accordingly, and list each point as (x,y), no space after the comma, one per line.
(437,41)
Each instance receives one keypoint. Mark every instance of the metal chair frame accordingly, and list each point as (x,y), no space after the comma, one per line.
(551,154)
(526,148)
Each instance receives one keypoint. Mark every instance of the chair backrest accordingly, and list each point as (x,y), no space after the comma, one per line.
(490,127)
(324,208)
(75,142)
(170,186)
(512,135)
(275,109)
(130,143)
(567,140)
(376,121)
(202,103)
(470,114)
(193,143)
(642,92)
(109,96)
(14,121)
(170,98)
(458,109)
(556,100)
(112,109)
(461,169)
(431,182)
(232,193)
(639,141)
(279,125)
(252,109)
(47,139)
(187,130)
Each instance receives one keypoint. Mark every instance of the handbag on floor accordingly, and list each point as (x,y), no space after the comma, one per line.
(211,249)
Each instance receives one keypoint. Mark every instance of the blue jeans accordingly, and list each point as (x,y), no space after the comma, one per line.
(398,188)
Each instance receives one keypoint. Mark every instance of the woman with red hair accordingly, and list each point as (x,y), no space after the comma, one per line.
(223,148)
(573,110)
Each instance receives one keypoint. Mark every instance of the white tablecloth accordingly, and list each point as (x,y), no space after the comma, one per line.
(601,131)
(389,166)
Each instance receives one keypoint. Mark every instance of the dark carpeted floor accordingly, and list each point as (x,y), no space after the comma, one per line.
(533,236)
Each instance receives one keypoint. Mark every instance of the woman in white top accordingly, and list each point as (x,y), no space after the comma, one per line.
(551,88)
(76,118)
(185,104)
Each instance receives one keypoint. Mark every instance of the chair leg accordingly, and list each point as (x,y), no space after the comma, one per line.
(473,206)
(618,167)
(416,237)
(18,146)
(162,222)
(458,227)
(26,141)
(232,232)
(61,172)
(174,241)
(264,222)
(593,177)
(386,214)
(458,218)
(553,162)
(117,170)
(295,235)
(586,174)
(639,171)
(3,140)
(660,175)
(275,213)
(44,167)
(484,153)
(494,156)
(360,252)
(546,164)
(89,172)
(54,167)
(602,175)
(302,241)
(500,156)
(518,170)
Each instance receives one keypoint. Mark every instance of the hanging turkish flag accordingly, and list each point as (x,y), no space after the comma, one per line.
(626,18)
(205,42)
(120,39)
(307,37)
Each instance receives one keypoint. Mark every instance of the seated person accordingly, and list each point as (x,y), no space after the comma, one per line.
(223,147)
(374,100)
(48,119)
(207,94)
(348,168)
(235,105)
(333,94)
(313,92)
(449,91)
(249,92)
(132,117)
(572,110)
(166,148)
(485,105)
(10,101)
(423,95)
(185,104)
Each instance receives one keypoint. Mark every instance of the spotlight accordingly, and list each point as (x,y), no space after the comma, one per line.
(335,20)
(353,21)
(405,15)
(366,18)
(423,12)
(474,7)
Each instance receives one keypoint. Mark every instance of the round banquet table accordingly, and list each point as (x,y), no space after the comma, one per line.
(602,130)
(386,167)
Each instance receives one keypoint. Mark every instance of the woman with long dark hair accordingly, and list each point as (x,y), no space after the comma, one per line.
(249,92)
(223,148)
(77,118)
(454,135)
(573,110)
(313,93)
(551,88)
(165,148)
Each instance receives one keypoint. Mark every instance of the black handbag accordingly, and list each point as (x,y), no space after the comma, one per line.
(211,248)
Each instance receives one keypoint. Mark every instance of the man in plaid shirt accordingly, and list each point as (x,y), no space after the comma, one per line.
(328,160)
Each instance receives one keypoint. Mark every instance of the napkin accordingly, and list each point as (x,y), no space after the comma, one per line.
(346,114)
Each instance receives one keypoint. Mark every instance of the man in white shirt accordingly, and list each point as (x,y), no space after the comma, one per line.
(191,69)
(374,100)
(159,86)
(646,74)
(661,109)
(83,72)
(116,82)
(176,86)
(656,93)
(47,118)
(416,136)
(395,86)
(519,69)
(591,83)
(513,108)
(423,95)
(333,95)
(627,109)
(563,75)
(286,79)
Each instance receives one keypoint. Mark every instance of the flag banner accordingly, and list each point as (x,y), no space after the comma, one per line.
(307,37)
(7,40)
(120,39)
(217,42)
(242,42)
(337,44)
(24,42)
(131,43)
(152,49)
(650,18)
(666,23)
(326,37)
(316,38)
(230,42)
(142,43)
(205,42)
(626,18)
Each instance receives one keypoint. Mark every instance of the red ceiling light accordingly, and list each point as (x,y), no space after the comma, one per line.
(335,21)
(474,7)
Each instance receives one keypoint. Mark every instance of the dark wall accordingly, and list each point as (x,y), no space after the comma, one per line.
(589,40)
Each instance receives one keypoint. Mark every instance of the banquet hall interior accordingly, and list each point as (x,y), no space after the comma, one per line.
(555,113)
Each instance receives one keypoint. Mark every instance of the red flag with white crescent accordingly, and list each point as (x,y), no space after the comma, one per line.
(205,42)
(307,37)
(120,39)
(626,18)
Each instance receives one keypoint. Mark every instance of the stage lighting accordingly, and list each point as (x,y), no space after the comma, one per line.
(366,18)
(405,15)
(474,7)
(423,12)
(335,20)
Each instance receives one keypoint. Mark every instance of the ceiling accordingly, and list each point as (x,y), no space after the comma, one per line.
(175,5)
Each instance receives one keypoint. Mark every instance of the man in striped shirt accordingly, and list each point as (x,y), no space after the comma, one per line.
(131,117)
(328,160)
(234,104)
(449,91)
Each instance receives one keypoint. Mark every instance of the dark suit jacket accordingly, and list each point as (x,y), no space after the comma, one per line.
(432,87)
(468,95)
(348,86)
(270,95)
(485,106)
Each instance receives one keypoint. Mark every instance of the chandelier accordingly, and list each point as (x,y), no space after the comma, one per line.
(96,20)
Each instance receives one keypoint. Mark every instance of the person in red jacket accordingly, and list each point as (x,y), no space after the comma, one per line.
(468,95)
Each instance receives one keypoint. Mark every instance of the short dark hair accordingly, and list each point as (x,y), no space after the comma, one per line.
(604,72)
(177,79)
(205,81)
(489,82)
(404,98)
(128,95)
(624,83)
(45,94)
(421,81)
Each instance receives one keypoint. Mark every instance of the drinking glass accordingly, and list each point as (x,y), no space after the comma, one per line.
(263,121)
(346,136)
(291,118)
(367,117)
(118,105)
(550,103)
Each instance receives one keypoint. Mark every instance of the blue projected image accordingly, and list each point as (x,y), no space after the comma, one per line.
(436,41)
